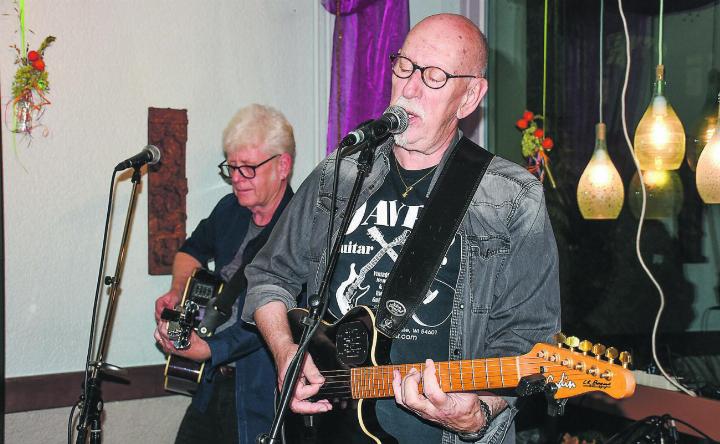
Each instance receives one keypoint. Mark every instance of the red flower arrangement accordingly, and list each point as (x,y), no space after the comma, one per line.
(535,145)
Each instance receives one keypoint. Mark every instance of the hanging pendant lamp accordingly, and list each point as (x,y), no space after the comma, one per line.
(600,193)
(707,176)
(660,137)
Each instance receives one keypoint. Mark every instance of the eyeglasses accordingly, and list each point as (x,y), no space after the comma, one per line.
(432,76)
(246,171)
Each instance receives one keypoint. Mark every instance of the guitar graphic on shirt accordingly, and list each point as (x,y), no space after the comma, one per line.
(347,294)
(377,236)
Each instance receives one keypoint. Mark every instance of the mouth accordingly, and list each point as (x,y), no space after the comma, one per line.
(413,117)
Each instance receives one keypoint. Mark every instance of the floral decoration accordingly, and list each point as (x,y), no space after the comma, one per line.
(536,145)
(30,87)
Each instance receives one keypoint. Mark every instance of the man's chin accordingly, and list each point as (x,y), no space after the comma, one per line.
(244,198)
(401,140)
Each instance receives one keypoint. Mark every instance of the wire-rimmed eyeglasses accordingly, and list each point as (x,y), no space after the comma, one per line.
(432,76)
(246,171)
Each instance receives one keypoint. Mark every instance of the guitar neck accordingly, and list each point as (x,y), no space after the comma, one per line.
(453,376)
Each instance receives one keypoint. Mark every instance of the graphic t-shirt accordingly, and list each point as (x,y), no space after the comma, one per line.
(375,237)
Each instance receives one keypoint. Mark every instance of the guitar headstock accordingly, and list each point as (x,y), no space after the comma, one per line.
(578,367)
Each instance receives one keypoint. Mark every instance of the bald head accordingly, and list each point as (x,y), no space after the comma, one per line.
(459,34)
(449,43)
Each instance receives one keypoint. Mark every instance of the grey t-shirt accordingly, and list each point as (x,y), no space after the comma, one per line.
(229,270)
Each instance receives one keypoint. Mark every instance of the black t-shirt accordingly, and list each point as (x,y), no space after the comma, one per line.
(373,242)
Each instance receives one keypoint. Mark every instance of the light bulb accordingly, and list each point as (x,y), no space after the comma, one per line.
(707,176)
(660,137)
(600,192)
(664,194)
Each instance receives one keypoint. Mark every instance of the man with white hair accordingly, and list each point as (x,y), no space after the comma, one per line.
(234,401)
(496,292)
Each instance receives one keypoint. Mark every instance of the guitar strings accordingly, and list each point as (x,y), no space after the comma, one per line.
(464,373)
(338,382)
(458,369)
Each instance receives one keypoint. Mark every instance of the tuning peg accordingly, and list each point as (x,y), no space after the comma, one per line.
(598,350)
(611,354)
(626,359)
(585,346)
(559,338)
(572,342)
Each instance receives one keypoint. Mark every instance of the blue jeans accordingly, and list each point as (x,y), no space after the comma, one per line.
(218,424)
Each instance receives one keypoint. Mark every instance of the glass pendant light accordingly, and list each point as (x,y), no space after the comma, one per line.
(707,176)
(600,193)
(660,137)
(664,194)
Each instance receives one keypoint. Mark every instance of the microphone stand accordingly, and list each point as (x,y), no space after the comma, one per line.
(91,399)
(318,303)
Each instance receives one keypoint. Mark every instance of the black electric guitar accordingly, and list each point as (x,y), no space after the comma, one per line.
(353,357)
(182,375)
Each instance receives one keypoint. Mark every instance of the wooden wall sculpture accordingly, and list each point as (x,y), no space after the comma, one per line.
(167,188)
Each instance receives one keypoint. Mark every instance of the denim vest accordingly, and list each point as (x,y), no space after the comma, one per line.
(507,296)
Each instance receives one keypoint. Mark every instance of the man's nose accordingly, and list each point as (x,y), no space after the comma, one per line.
(413,85)
(237,177)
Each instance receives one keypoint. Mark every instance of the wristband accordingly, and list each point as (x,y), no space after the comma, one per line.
(474,436)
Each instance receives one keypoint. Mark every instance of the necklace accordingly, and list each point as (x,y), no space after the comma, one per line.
(409,188)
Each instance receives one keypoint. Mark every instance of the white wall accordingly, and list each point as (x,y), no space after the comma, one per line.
(112,60)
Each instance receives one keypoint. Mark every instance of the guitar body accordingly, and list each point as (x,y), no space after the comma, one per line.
(350,342)
(183,375)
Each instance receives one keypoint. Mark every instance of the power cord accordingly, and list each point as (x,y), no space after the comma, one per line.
(655,429)
(643,208)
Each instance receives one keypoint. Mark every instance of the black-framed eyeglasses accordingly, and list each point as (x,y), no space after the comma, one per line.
(432,76)
(246,171)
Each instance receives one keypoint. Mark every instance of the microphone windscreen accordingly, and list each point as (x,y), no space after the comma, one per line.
(400,115)
(154,154)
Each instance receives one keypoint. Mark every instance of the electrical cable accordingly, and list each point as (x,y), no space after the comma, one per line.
(643,207)
(660,32)
(687,424)
(600,101)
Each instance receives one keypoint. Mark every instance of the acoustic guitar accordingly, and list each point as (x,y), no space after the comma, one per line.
(354,359)
(182,375)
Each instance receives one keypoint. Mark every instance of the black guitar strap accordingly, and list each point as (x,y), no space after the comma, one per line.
(422,254)
(219,309)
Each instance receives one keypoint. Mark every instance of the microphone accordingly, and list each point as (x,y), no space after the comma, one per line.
(150,155)
(393,121)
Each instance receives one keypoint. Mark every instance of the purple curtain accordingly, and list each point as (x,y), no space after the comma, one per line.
(371,30)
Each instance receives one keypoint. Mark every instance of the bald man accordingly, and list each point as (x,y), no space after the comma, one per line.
(496,292)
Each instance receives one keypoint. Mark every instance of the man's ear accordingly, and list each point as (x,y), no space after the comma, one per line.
(477,88)
(286,165)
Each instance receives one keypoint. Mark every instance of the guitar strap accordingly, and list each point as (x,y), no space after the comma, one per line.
(421,256)
(219,309)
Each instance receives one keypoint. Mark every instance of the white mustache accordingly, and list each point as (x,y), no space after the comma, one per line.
(404,103)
